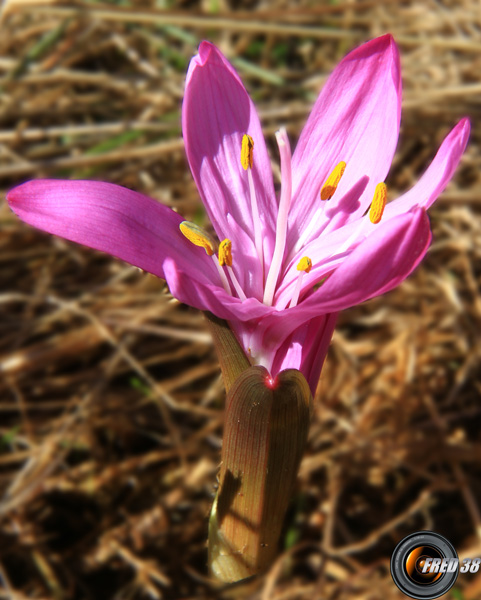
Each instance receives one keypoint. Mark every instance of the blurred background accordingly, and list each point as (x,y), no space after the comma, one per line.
(111,401)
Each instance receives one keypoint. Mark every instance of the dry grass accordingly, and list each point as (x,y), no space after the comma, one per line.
(110,394)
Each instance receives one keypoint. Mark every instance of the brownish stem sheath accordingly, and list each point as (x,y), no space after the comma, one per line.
(232,358)
(265,435)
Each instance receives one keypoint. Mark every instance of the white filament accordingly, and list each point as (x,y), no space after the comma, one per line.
(223,276)
(297,290)
(256,220)
(235,282)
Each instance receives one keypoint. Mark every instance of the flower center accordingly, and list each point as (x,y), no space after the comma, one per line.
(224,260)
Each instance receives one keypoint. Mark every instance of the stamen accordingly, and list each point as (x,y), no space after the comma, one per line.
(378,203)
(201,238)
(225,259)
(303,266)
(327,192)
(247,162)
(222,275)
(375,214)
(225,253)
(328,189)
(281,226)
(237,285)
(247,152)
(198,236)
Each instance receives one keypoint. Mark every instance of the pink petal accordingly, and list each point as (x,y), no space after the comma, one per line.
(423,194)
(380,263)
(356,120)
(210,297)
(306,349)
(216,113)
(113,219)
(438,174)
(376,266)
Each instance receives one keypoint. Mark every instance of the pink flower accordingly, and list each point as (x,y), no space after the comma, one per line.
(298,261)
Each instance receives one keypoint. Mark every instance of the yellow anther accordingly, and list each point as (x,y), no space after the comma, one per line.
(328,189)
(378,203)
(247,152)
(225,253)
(305,264)
(198,236)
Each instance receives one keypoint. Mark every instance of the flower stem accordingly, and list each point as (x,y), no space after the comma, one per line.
(232,358)
(265,434)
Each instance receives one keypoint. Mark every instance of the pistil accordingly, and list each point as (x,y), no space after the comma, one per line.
(281,227)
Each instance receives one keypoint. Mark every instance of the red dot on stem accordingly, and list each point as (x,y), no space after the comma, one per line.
(271,382)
